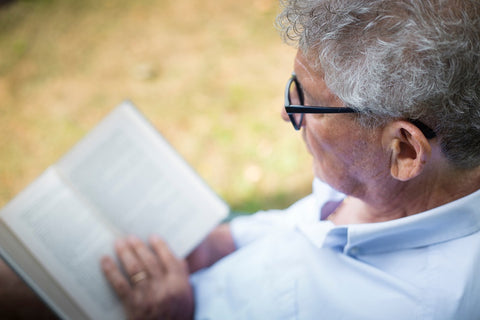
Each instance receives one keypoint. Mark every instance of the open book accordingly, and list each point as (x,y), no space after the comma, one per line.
(122,178)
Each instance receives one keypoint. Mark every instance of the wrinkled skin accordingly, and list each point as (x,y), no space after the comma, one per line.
(164,294)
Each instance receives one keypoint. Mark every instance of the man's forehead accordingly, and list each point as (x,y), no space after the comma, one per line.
(303,67)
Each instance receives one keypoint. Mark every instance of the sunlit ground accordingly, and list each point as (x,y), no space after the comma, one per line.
(209,74)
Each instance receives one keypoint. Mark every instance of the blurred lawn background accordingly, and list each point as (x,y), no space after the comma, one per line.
(209,74)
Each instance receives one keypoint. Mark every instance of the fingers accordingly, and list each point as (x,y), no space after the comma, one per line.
(113,274)
(130,260)
(148,260)
(142,269)
(169,261)
(166,291)
(141,262)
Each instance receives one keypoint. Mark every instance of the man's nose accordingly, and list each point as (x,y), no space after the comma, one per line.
(285,115)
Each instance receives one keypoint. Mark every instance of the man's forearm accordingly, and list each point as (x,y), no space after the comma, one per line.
(216,245)
(17,300)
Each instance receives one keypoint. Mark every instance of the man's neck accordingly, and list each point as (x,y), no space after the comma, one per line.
(407,198)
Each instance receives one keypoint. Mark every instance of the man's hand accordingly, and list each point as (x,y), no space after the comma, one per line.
(158,285)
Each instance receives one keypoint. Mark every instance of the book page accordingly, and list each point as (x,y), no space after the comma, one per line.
(140,184)
(66,237)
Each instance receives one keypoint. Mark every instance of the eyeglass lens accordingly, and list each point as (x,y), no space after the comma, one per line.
(295,97)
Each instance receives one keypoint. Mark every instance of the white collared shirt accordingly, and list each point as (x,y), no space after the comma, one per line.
(292,265)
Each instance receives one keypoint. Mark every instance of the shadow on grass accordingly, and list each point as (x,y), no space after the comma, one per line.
(6,2)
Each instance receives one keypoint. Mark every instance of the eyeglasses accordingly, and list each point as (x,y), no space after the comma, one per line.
(297,111)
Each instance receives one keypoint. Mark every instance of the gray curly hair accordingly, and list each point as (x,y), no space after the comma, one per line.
(411,59)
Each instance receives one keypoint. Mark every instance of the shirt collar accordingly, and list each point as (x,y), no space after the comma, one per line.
(450,221)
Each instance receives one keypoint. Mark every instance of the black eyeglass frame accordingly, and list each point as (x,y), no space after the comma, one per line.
(301,109)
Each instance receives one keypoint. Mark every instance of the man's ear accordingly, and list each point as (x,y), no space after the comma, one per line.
(409,149)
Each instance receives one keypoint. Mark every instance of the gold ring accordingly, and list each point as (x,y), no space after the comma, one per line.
(137,277)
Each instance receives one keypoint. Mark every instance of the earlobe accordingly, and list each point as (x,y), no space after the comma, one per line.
(409,149)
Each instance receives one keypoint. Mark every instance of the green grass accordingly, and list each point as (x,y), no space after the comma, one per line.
(209,74)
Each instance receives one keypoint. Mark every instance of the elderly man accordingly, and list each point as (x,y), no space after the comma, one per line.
(387,97)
